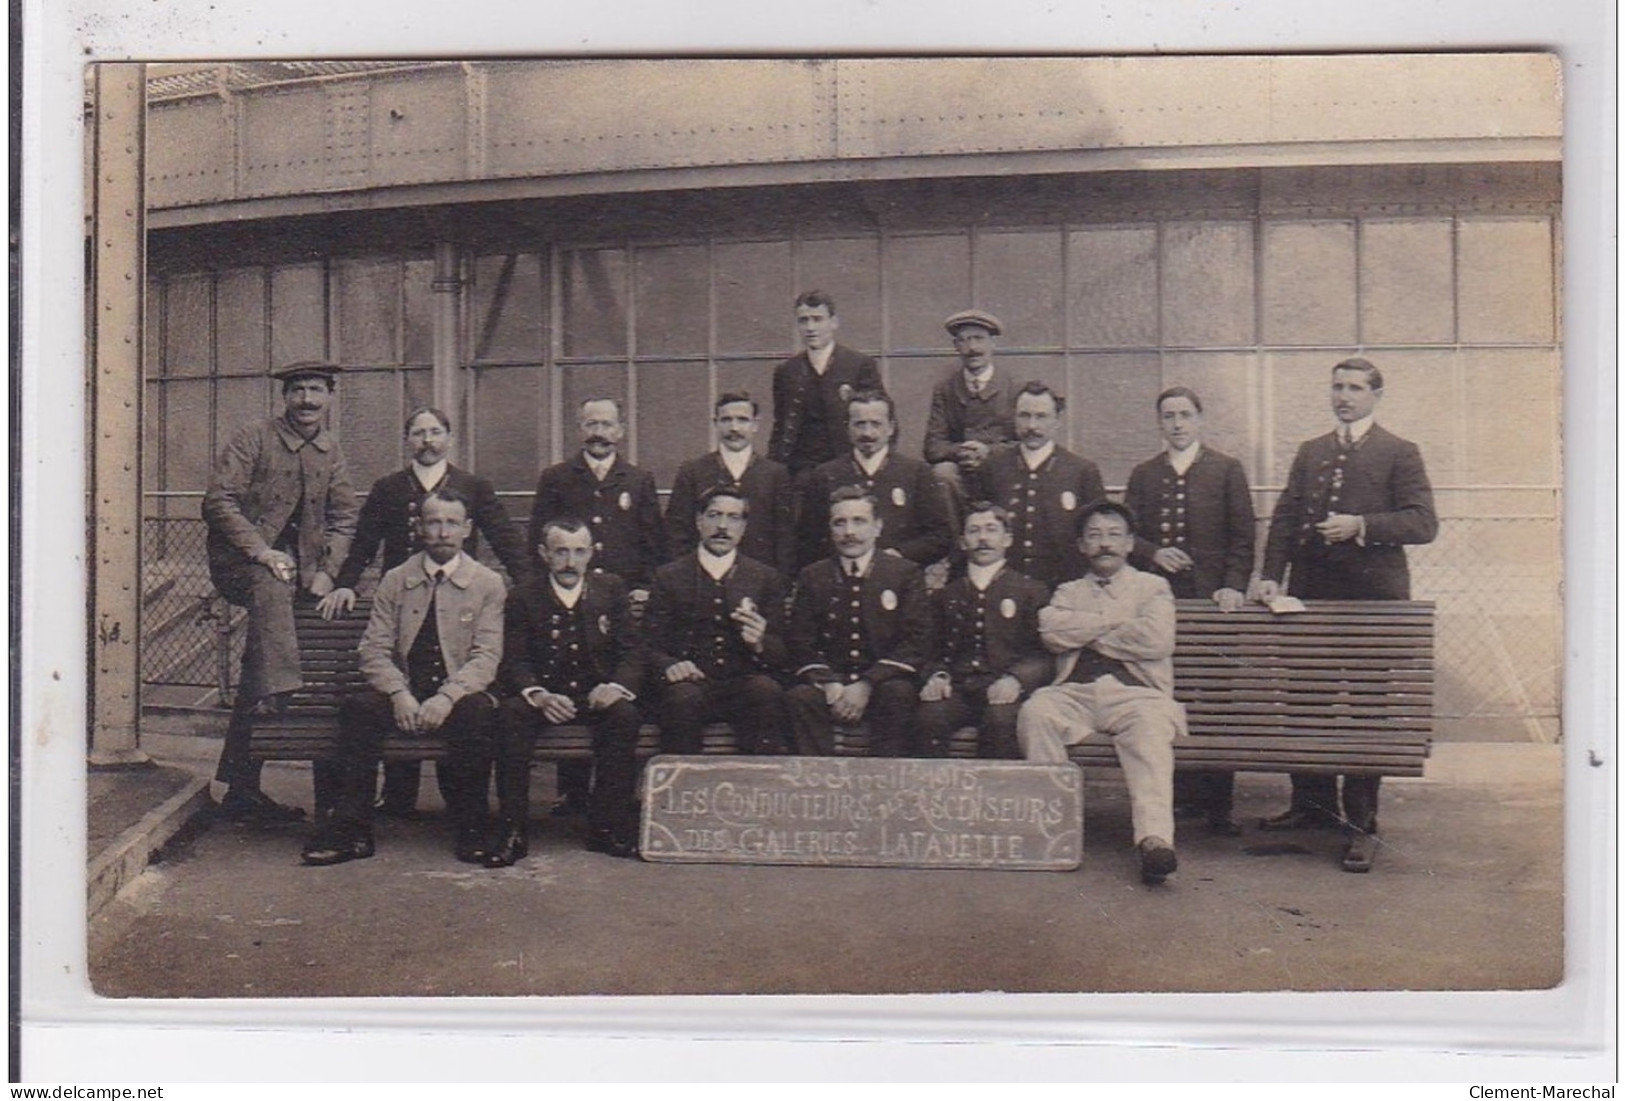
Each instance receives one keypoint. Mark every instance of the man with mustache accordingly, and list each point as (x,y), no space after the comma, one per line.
(619,503)
(570,655)
(810,389)
(390,519)
(1042,485)
(770,537)
(281,512)
(912,505)
(972,409)
(860,634)
(1113,633)
(1356,497)
(1197,533)
(715,634)
(989,656)
(430,652)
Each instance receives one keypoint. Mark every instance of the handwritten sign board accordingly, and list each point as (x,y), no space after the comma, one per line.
(863,812)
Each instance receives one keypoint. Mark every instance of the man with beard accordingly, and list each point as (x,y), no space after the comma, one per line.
(810,390)
(715,635)
(987,636)
(430,652)
(1355,498)
(912,505)
(770,536)
(860,634)
(570,655)
(1113,633)
(281,511)
(1042,485)
(390,519)
(621,508)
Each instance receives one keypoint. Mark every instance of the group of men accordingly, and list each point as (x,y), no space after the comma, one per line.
(786,593)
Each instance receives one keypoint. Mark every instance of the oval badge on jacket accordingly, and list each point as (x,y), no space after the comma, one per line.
(1007,608)
(888,600)
(1069,500)
(898,497)
(603,625)
(626,501)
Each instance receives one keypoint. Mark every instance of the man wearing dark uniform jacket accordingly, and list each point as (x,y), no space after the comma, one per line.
(715,634)
(390,519)
(989,655)
(860,634)
(770,537)
(912,505)
(810,389)
(1044,487)
(1356,497)
(570,655)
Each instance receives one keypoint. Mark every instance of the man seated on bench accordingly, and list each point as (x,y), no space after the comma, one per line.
(431,649)
(1113,632)
(570,656)
(715,633)
(860,632)
(989,653)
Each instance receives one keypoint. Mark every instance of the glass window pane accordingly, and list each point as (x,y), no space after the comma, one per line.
(1423,402)
(186,332)
(1506,280)
(186,434)
(417,391)
(369,424)
(910,380)
(754,293)
(298,314)
(511,414)
(509,305)
(927,279)
(674,408)
(583,382)
(240,401)
(1207,283)
(1528,456)
(674,300)
(240,315)
(847,269)
(369,293)
(1220,379)
(595,302)
(1103,412)
(1309,283)
(1018,278)
(1407,283)
(419,321)
(1113,276)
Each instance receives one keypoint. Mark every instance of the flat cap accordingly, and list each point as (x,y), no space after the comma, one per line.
(973,317)
(309,368)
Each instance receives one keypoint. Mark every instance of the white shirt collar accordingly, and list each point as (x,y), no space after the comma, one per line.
(982,576)
(431,567)
(1181,460)
(1036,459)
(567,597)
(429,476)
(717,567)
(870,465)
(863,564)
(1358,429)
(599,467)
(819,357)
(983,376)
(735,462)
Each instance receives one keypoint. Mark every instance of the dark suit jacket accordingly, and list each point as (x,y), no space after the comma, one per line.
(809,411)
(389,518)
(770,534)
(1385,482)
(623,512)
(958,415)
(1007,625)
(895,612)
(677,618)
(1044,507)
(611,642)
(913,508)
(1217,517)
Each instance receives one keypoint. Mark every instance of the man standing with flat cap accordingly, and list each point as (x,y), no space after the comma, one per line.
(810,389)
(973,409)
(281,512)
(1356,497)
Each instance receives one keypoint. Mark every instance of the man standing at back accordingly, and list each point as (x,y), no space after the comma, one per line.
(973,411)
(771,536)
(810,389)
(281,512)
(1353,501)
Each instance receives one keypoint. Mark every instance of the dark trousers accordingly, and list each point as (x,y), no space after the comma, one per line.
(367,720)
(995,723)
(402,780)
(753,705)
(1314,792)
(612,804)
(889,717)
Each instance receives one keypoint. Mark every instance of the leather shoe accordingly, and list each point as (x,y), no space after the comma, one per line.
(473,846)
(613,846)
(509,850)
(338,844)
(1157,860)
(1361,853)
(254,806)
(1299,818)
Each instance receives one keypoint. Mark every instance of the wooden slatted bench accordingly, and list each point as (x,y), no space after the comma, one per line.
(1340,688)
